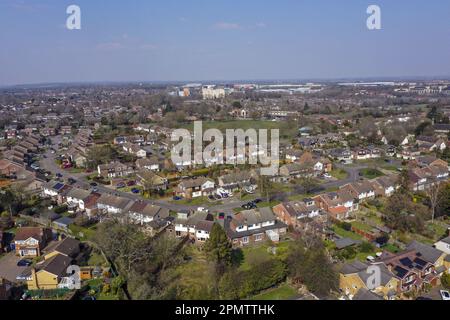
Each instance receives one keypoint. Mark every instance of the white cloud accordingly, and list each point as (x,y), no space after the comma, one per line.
(227,26)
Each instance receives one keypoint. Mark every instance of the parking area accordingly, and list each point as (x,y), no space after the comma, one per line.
(8,267)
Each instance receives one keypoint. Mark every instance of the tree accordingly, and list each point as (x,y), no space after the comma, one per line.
(266,187)
(434,195)
(320,276)
(218,247)
(5,220)
(445,280)
(309,184)
(443,207)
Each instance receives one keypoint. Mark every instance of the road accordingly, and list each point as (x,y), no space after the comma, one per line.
(48,163)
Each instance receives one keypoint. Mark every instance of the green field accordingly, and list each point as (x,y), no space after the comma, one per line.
(339,174)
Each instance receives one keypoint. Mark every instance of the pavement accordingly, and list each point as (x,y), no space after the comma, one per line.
(8,267)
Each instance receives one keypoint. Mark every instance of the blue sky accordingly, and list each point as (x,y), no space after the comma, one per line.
(170,40)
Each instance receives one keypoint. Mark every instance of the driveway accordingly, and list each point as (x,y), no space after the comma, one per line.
(9,269)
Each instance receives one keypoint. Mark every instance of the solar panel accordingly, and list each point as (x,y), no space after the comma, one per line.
(58,186)
(406,262)
(400,272)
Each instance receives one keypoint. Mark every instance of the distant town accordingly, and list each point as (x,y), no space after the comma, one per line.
(92,207)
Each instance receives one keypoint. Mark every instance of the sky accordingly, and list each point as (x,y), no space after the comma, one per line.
(194,40)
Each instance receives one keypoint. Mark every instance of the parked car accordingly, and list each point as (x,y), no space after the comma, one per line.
(71,181)
(445,295)
(177,198)
(121,185)
(135,191)
(93,184)
(131,183)
(24,263)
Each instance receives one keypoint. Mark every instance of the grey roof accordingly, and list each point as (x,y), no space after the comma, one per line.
(346,242)
(64,221)
(364,294)
(56,265)
(427,252)
(445,240)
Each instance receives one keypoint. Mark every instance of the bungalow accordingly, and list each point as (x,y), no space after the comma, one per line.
(254,226)
(29,241)
(194,188)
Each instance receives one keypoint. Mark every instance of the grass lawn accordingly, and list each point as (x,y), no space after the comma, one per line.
(82,233)
(283,292)
(96,259)
(362,226)
(371,173)
(346,234)
(391,248)
(339,174)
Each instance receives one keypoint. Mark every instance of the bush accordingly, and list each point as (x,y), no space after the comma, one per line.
(366,247)
(346,226)
(445,280)
(60,209)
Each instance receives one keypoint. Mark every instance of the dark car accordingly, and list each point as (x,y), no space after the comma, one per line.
(135,191)
(93,184)
(59,175)
(24,263)
(257,201)
(71,181)
(131,183)
(176,198)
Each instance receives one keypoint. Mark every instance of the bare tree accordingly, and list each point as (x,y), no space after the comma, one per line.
(434,194)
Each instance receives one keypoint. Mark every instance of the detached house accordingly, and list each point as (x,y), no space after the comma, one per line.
(78,197)
(385,186)
(194,188)
(29,241)
(253,226)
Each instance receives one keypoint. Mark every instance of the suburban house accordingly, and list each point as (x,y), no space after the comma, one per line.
(341,155)
(148,164)
(49,274)
(411,270)
(194,188)
(68,247)
(114,170)
(360,190)
(29,241)
(339,205)
(135,150)
(295,171)
(78,197)
(151,181)
(385,186)
(197,226)
(143,213)
(354,276)
(235,181)
(254,226)
(113,204)
(298,213)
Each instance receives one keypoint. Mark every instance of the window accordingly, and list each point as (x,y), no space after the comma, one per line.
(245,240)
(259,237)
